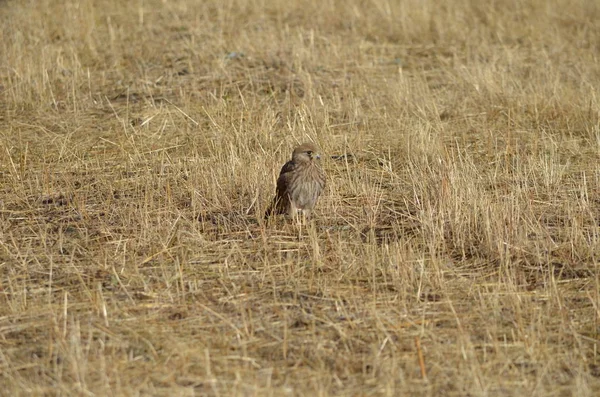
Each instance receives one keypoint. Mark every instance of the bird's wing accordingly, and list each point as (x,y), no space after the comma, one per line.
(287,167)
(284,177)
(280,201)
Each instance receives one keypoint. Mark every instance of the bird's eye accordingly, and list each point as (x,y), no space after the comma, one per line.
(309,153)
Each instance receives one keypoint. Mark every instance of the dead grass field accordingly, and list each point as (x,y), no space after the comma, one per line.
(139,146)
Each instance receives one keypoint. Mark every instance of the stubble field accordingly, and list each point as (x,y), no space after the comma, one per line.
(455,251)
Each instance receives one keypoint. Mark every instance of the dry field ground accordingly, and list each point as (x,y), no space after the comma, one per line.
(455,252)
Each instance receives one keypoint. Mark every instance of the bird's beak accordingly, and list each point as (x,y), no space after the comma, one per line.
(317,156)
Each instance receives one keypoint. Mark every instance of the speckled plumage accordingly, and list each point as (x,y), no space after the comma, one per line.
(300,183)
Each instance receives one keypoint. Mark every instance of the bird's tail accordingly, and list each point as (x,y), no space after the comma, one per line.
(270,210)
(274,208)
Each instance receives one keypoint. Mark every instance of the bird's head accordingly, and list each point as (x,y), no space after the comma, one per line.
(306,152)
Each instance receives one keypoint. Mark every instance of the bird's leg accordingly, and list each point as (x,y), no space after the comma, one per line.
(305,216)
(299,217)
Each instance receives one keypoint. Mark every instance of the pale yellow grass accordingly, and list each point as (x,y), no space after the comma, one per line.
(139,146)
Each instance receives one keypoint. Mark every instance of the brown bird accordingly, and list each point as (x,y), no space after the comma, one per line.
(300,183)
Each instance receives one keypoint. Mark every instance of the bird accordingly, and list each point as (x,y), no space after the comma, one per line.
(300,183)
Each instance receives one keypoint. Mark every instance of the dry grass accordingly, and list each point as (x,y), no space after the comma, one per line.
(140,142)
